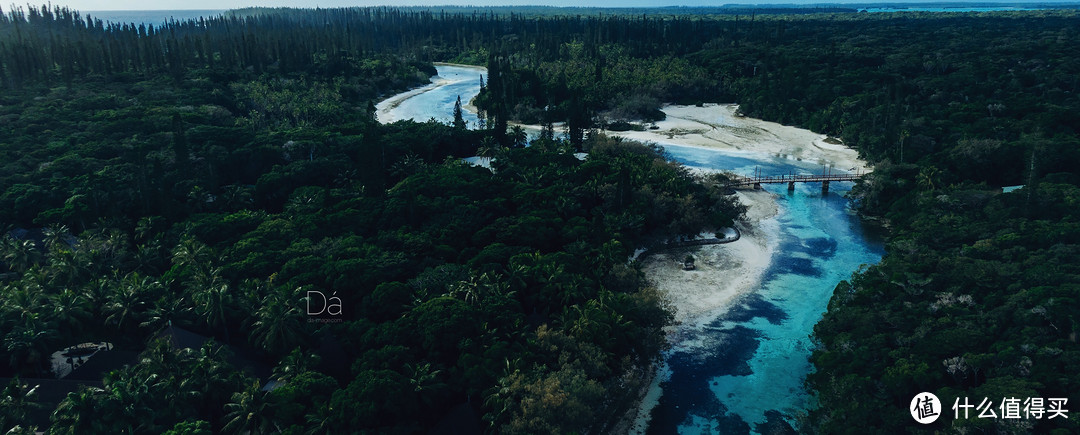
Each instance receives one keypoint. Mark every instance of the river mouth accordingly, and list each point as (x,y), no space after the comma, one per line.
(741,345)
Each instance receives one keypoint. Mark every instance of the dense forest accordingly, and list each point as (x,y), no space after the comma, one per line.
(151,184)
(966,97)
(211,174)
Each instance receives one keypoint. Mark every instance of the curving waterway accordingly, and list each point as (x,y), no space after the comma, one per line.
(735,371)
(738,370)
(436,100)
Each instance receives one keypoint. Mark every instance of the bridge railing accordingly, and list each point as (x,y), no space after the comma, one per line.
(789,178)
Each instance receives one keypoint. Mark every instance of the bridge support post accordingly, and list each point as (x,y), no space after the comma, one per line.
(791,186)
(757,186)
(824,187)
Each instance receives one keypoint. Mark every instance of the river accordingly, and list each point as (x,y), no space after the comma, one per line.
(732,369)
(436,100)
(728,371)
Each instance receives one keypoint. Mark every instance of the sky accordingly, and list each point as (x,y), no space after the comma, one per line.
(120,5)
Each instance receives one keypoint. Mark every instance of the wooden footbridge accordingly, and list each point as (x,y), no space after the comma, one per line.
(757,180)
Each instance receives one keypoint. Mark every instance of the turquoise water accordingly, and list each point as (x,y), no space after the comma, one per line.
(745,367)
(739,369)
(438,101)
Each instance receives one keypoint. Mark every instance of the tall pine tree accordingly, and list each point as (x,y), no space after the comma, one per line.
(459,120)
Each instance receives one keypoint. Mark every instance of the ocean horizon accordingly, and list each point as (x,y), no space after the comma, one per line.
(162,16)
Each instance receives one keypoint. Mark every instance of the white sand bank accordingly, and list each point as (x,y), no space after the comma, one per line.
(725,273)
(719,127)
(385,109)
(722,272)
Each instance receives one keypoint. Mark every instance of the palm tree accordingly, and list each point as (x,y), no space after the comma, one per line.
(408,165)
(36,278)
(167,309)
(169,381)
(79,413)
(129,393)
(21,300)
(926,178)
(111,251)
(22,430)
(28,342)
(279,322)
(56,238)
(518,136)
(517,277)
(249,412)
(320,420)
(161,357)
(488,148)
(144,229)
(127,302)
(69,310)
(214,303)
(236,197)
(467,291)
(64,268)
(157,369)
(193,256)
(212,377)
(19,254)
(294,364)
(97,293)
(149,257)
(17,400)
(425,381)
(480,290)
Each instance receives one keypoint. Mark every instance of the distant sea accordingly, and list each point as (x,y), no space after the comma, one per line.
(155,18)
(952,9)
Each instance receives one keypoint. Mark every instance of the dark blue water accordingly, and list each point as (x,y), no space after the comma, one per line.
(742,368)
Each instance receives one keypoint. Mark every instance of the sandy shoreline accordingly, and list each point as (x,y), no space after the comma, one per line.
(711,126)
(722,272)
(726,272)
(384,110)
(718,126)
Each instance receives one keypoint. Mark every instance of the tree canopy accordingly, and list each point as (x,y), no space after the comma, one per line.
(220,174)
